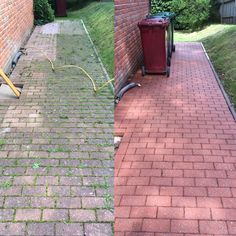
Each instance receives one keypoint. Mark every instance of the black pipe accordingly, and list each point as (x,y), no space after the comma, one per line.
(16,59)
(124,90)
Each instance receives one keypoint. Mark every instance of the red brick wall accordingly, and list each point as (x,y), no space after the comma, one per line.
(128,53)
(16,22)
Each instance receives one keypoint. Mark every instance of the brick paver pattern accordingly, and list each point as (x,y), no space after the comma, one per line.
(56,144)
(176,166)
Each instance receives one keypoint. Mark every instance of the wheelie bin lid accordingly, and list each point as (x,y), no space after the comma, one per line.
(165,14)
(160,22)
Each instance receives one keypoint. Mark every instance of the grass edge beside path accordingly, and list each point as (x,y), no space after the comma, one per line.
(222,52)
(99,20)
(203,34)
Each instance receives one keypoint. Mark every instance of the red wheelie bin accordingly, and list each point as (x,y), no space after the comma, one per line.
(171,16)
(155,45)
(61,8)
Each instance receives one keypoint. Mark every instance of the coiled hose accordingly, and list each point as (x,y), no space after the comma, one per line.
(54,68)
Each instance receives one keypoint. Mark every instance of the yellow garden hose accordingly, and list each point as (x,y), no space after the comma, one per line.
(95,88)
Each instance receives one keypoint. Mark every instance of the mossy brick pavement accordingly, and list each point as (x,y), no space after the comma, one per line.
(56,144)
(176,165)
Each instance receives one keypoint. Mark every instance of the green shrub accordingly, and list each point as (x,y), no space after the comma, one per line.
(43,12)
(160,5)
(191,14)
(52,4)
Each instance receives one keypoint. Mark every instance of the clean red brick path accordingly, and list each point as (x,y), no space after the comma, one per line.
(176,165)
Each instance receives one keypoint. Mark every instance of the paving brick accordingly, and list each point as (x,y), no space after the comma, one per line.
(170,212)
(28,215)
(211,202)
(67,202)
(229,202)
(100,229)
(184,201)
(173,173)
(147,190)
(216,173)
(171,191)
(24,180)
(195,191)
(17,202)
(184,226)
(55,215)
(122,212)
(156,225)
(34,191)
(13,191)
(219,192)
(231,227)
(6,214)
(197,213)
(223,214)
(150,172)
(213,227)
(206,182)
(12,229)
(74,229)
(125,190)
(80,191)
(183,182)
(227,182)
(162,165)
(194,173)
(38,229)
(161,181)
(133,200)
(138,181)
(143,212)
(80,215)
(105,216)
(92,202)
(42,202)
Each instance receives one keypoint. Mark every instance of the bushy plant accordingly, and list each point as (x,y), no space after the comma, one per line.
(52,4)
(191,14)
(160,5)
(43,12)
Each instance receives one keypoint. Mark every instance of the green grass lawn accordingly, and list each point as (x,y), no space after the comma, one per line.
(99,20)
(208,31)
(219,41)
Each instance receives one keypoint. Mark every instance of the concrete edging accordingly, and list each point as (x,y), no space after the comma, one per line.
(230,105)
(99,59)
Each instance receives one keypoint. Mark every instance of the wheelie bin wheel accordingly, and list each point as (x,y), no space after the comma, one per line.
(143,71)
(168,61)
(168,72)
(173,49)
